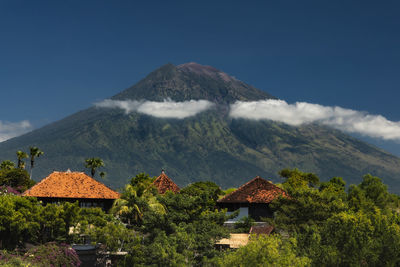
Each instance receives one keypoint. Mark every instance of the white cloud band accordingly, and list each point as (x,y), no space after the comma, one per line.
(302,113)
(12,129)
(296,114)
(165,109)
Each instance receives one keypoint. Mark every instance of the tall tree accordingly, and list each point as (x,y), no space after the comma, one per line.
(138,196)
(34,152)
(21,155)
(7,165)
(16,178)
(297,179)
(93,164)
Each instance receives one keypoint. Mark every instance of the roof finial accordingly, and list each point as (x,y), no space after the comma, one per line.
(162,171)
(68,171)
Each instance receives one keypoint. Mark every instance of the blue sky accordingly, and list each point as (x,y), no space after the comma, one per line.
(58,57)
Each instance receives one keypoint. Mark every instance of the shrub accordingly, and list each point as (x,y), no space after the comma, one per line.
(53,254)
(13,260)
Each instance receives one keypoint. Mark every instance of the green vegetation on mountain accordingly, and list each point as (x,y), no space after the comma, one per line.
(209,146)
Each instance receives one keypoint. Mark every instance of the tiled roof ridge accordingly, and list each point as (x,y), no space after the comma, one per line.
(243,187)
(163,181)
(111,194)
(164,178)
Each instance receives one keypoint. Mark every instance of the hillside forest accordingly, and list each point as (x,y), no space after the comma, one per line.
(320,224)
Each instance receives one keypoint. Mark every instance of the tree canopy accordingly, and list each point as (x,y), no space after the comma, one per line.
(320,224)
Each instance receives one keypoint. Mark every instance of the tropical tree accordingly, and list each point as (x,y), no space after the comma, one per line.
(370,193)
(16,178)
(296,179)
(21,155)
(7,165)
(128,208)
(137,197)
(34,152)
(93,164)
(186,233)
(265,251)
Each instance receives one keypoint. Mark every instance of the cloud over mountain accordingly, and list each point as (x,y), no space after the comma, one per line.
(296,114)
(348,120)
(12,129)
(165,109)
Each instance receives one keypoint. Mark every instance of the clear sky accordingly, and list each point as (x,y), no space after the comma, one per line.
(58,57)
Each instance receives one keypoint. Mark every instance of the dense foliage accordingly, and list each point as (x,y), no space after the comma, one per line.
(15,177)
(320,224)
(264,251)
(336,228)
(176,229)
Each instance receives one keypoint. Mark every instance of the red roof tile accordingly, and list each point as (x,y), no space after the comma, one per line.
(71,185)
(163,183)
(261,229)
(257,190)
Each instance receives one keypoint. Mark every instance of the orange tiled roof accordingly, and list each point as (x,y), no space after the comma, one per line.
(257,190)
(71,185)
(163,183)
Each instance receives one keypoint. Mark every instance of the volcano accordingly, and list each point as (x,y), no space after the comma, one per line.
(209,145)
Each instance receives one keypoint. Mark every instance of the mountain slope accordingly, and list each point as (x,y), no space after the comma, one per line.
(208,146)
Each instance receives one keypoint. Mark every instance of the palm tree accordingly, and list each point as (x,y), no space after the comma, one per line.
(135,200)
(93,164)
(7,165)
(21,156)
(132,205)
(34,152)
(127,208)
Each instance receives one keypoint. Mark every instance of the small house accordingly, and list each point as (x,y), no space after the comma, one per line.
(73,186)
(163,184)
(252,199)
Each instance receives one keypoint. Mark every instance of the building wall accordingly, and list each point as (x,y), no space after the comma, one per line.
(260,210)
(104,204)
(253,210)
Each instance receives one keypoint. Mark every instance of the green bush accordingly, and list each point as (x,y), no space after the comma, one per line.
(264,251)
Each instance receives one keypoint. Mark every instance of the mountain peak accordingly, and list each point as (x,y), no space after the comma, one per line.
(191,81)
(204,70)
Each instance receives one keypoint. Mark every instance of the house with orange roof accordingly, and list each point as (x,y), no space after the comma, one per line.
(73,186)
(163,184)
(252,199)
